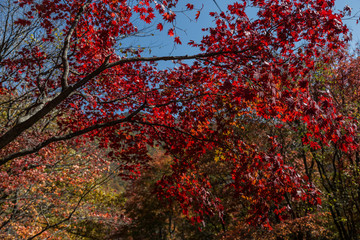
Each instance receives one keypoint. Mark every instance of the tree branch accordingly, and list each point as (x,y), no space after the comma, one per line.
(70,136)
(19,128)
(172,58)
(65,50)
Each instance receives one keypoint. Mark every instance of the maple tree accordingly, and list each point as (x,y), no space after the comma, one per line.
(336,219)
(64,77)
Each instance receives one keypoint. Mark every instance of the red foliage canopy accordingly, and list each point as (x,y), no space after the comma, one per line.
(73,70)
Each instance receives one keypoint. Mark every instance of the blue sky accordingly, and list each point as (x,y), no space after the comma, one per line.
(351,23)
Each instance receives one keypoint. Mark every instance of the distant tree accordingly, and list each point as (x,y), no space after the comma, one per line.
(333,168)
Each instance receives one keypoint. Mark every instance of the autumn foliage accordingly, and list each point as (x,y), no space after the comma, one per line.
(262,102)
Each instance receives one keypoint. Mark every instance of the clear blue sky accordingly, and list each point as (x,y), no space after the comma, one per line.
(351,23)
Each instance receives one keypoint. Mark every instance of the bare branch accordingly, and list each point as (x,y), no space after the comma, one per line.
(66,47)
(173,58)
